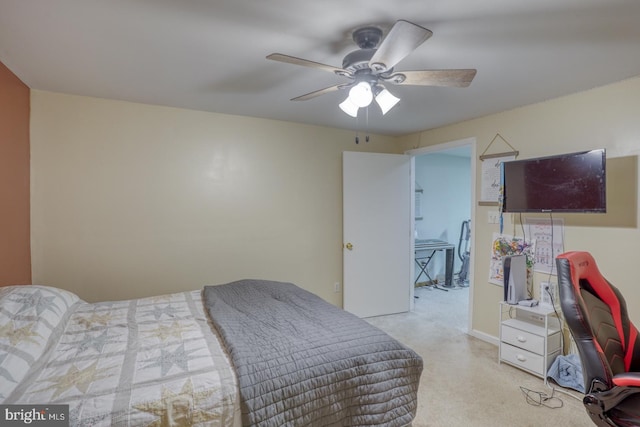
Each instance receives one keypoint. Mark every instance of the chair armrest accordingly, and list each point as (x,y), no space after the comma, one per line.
(627,379)
(600,402)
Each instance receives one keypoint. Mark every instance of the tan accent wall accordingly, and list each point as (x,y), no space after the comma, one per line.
(15,249)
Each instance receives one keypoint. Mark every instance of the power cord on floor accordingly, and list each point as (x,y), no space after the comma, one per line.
(538,398)
(553,390)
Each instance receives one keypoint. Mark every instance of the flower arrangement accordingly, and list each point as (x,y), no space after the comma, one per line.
(507,245)
(504,245)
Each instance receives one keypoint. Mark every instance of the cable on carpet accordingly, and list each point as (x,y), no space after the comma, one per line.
(538,398)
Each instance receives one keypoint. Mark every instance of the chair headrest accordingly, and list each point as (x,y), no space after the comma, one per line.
(583,267)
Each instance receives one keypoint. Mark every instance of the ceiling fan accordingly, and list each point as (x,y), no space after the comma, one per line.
(370,68)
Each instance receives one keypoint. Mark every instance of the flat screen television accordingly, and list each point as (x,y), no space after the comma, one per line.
(573,182)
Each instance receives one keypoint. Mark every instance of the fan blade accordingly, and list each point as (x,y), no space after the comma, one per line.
(403,38)
(454,78)
(306,63)
(317,93)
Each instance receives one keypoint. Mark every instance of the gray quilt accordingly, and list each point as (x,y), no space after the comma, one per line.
(301,361)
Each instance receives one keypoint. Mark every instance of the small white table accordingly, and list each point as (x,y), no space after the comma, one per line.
(530,338)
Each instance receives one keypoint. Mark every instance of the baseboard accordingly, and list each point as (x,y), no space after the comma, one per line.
(484,337)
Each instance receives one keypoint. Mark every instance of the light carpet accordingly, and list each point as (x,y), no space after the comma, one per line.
(462,383)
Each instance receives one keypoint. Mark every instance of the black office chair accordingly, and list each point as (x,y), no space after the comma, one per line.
(607,341)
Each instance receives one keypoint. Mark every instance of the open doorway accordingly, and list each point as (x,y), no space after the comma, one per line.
(444,182)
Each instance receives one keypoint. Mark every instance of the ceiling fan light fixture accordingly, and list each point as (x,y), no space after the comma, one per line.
(361,95)
(349,107)
(372,66)
(386,100)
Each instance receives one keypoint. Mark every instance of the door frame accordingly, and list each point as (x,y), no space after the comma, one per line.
(432,149)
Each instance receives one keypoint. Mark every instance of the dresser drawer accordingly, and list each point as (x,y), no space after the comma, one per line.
(522,358)
(523,339)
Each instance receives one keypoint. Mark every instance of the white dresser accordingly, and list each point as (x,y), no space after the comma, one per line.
(530,338)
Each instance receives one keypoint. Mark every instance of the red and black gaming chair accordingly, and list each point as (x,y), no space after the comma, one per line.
(607,341)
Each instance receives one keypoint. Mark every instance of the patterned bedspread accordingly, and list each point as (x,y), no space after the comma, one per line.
(144,362)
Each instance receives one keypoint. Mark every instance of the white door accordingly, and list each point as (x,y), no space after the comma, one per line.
(377,227)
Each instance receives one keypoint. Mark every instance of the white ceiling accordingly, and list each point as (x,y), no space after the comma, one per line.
(210,54)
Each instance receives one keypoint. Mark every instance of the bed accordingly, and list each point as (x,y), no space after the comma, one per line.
(252,353)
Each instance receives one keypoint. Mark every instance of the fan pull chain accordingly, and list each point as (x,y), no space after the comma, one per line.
(366,138)
(366,124)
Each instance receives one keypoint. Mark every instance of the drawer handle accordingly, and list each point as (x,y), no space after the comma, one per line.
(521,358)
(520,338)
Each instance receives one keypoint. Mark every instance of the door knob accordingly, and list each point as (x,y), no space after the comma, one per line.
(349,246)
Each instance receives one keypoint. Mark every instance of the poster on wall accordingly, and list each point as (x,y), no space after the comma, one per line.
(549,242)
(490,177)
(504,245)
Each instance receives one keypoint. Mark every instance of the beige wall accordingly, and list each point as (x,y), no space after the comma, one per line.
(15,251)
(605,117)
(132,200)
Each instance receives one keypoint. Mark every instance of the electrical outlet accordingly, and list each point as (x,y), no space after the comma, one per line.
(493,217)
(336,287)
(548,293)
